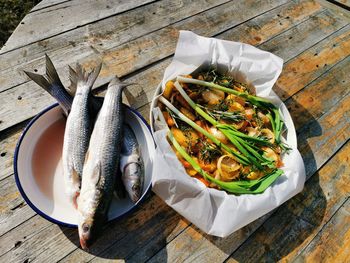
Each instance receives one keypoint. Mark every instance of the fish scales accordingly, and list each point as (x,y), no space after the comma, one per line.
(77,133)
(101,165)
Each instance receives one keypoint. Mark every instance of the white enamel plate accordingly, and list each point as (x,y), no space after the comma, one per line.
(38,166)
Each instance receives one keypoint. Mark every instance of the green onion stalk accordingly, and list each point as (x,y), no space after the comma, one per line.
(244,146)
(274,115)
(238,157)
(235,187)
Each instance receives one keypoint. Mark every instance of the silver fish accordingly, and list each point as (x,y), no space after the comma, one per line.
(77,132)
(53,85)
(101,165)
(131,164)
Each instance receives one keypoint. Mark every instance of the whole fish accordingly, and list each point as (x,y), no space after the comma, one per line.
(131,164)
(101,165)
(77,132)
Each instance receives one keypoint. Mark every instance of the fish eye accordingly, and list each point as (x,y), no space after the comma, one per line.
(86,227)
(135,187)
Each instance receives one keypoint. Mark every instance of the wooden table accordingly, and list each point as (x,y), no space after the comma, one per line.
(136,40)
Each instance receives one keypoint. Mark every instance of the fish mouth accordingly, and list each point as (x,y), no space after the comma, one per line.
(75,200)
(84,244)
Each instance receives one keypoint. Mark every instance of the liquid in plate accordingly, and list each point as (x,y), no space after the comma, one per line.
(46,157)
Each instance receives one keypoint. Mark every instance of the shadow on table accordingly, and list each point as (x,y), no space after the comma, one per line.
(293,222)
(134,238)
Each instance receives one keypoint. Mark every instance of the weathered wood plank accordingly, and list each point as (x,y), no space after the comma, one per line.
(30,228)
(118,64)
(313,62)
(297,73)
(66,16)
(49,243)
(320,96)
(332,243)
(47,3)
(305,33)
(14,217)
(96,38)
(10,197)
(152,75)
(295,224)
(8,141)
(342,3)
(11,203)
(189,242)
(314,153)
(138,96)
(264,27)
(152,47)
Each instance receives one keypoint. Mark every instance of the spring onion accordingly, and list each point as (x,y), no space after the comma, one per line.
(245,147)
(235,187)
(274,114)
(239,157)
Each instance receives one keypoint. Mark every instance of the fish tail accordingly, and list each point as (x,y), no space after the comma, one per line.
(51,73)
(117,82)
(86,78)
(73,81)
(53,85)
(40,80)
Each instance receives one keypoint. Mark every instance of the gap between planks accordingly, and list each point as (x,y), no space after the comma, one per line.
(141,67)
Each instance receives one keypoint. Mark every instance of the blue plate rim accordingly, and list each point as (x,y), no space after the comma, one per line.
(25,197)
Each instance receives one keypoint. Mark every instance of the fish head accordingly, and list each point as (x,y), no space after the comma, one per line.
(89,226)
(132,180)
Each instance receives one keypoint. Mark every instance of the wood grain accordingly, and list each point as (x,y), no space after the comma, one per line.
(296,223)
(300,29)
(49,242)
(332,87)
(289,74)
(47,3)
(311,63)
(32,92)
(67,16)
(332,243)
(314,155)
(8,141)
(153,76)
(95,38)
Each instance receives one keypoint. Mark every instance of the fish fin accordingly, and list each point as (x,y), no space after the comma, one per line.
(51,72)
(89,78)
(39,79)
(96,174)
(117,81)
(73,81)
(92,76)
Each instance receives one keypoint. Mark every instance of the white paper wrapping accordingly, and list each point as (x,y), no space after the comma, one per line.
(213,211)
